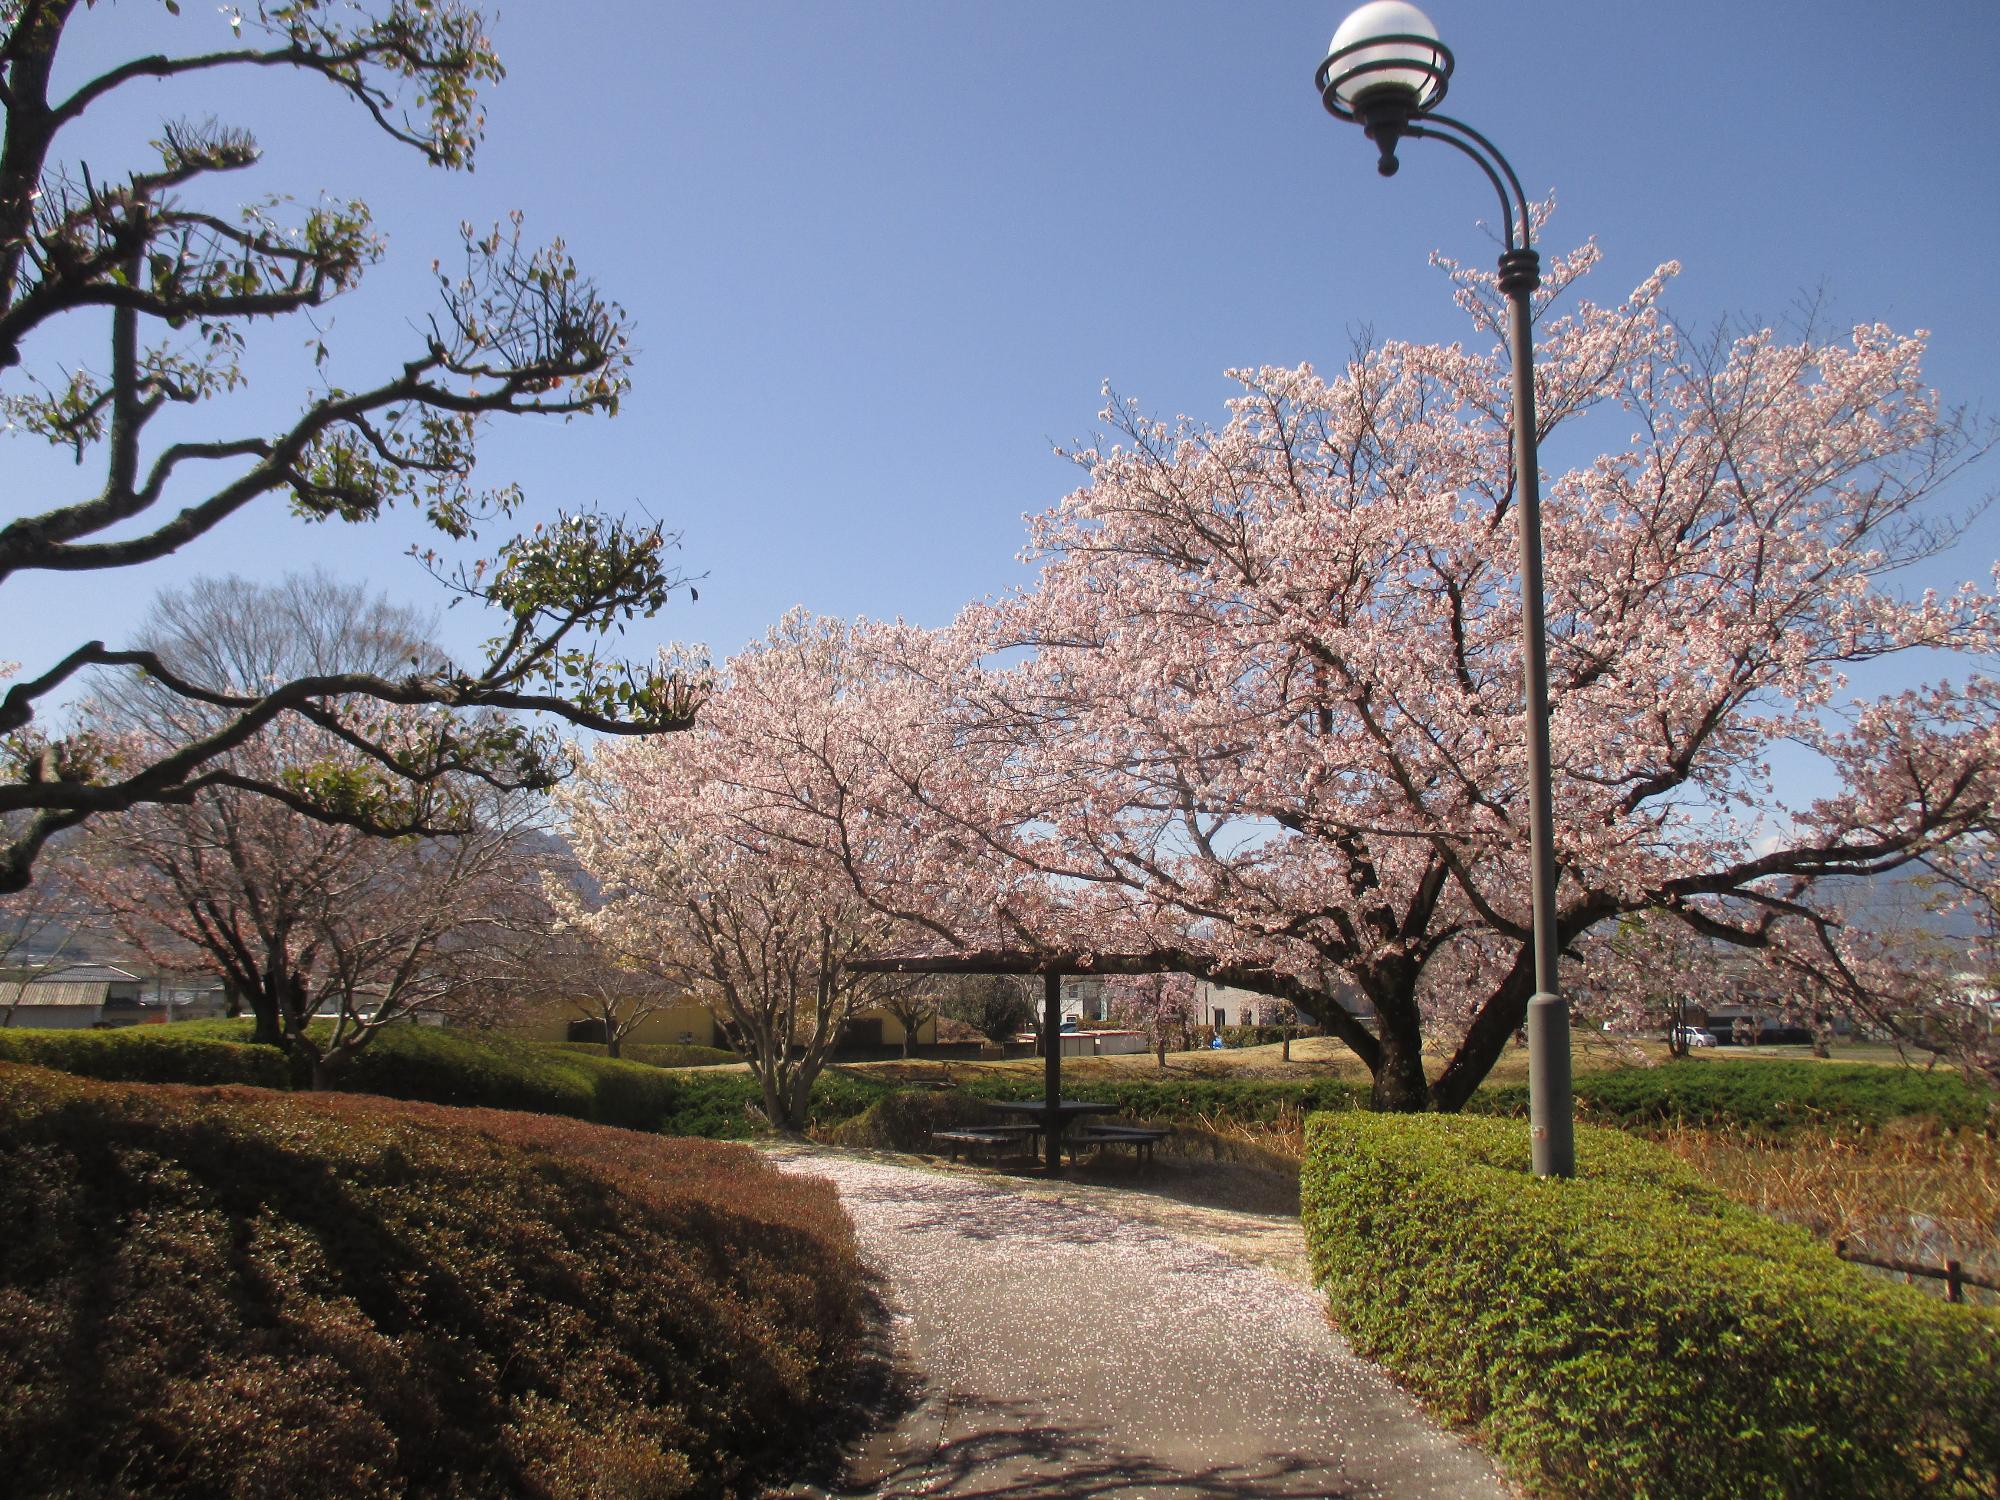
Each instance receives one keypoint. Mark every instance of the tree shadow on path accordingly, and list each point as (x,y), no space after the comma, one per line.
(985,1449)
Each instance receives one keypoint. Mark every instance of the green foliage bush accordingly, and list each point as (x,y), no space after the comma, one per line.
(1633,1333)
(1180,1099)
(225,1291)
(658,1054)
(148,1054)
(1765,1094)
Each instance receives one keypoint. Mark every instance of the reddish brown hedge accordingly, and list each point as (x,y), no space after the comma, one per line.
(222,1291)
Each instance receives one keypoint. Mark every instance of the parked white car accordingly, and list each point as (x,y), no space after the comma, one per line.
(1693,1036)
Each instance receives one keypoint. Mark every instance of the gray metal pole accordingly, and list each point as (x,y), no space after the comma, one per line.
(1550,1106)
(1052,1070)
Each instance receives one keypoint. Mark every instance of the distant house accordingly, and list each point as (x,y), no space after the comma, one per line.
(1084,998)
(73,997)
(1221,1005)
(76,996)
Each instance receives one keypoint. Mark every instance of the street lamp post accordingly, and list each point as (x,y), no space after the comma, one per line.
(1387,71)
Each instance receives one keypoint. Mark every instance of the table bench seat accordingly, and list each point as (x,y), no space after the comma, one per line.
(976,1137)
(1141,1138)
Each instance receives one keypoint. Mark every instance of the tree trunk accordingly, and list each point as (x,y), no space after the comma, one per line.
(800,1107)
(774,1101)
(1498,1020)
(613,1040)
(785,1092)
(1400,1085)
(269,1030)
(310,1066)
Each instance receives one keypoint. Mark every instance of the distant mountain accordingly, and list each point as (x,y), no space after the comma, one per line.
(1906,900)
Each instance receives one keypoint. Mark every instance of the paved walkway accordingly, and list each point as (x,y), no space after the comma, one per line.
(1060,1348)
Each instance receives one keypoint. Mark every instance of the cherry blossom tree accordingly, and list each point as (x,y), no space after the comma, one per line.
(237,878)
(1922,971)
(1161,1005)
(424,926)
(914,1003)
(38,928)
(1278,660)
(1645,971)
(615,992)
(734,893)
(1259,720)
(143,266)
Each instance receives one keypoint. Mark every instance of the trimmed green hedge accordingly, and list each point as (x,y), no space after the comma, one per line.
(1177,1099)
(456,1067)
(1762,1094)
(149,1054)
(442,1066)
(656,1054)
(1632,1333)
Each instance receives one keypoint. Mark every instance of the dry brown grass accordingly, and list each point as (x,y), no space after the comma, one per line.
(1910,1191)
(1282,1139)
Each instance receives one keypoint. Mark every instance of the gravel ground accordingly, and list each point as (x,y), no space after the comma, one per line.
(1052,1345)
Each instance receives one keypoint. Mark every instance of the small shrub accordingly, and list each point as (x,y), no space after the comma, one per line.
(1260,1035)
(226,1291)
(1634,1333)
(904,1120)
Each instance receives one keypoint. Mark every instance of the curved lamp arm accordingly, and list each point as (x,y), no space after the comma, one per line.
(1513,202)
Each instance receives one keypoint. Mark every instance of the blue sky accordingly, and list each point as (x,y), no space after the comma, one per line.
(881,257)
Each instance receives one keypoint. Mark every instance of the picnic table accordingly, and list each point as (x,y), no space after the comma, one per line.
(1052,1114)
(973,1139)
(1141,1138)
(1066,1110)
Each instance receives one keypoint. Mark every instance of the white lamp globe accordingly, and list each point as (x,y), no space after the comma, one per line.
(1370,68)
